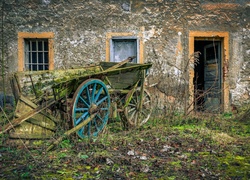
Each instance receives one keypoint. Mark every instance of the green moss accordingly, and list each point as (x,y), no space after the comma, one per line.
(141,176)
(185,127)
(204,153)
(176,164)
(235,166)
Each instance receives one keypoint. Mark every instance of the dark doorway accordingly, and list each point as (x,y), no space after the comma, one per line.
(208,76)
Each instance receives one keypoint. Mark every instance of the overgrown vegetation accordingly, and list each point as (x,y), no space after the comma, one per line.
(209,147)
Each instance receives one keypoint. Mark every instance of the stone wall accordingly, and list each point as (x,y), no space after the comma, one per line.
(80,29)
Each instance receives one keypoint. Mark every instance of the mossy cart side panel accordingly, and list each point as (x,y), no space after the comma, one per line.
(37,84)
(39,126)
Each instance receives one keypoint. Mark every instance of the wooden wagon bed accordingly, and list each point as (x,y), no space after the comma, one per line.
(40,94)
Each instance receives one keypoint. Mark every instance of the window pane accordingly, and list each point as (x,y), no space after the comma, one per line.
(46,45)
(27,45)
(40,45)
(46,57)
(46,67)
(29,56)
(34,46)
(34,57)
(34,67)
(40,57)
(40,67)
(124,48)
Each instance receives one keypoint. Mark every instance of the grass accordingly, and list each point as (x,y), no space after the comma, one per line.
(215,147)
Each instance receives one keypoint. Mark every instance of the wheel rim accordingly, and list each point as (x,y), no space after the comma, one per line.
(91,97)
(132,113)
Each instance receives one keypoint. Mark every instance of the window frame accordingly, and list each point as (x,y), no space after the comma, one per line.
(125,35)
(21,47)
(124,38)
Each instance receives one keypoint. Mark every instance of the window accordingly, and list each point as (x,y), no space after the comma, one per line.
(36,54)
(120,46)
(35,51)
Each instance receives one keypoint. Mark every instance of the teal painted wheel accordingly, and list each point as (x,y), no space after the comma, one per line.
(91,97)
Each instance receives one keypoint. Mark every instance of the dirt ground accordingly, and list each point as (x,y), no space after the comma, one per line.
(182,148)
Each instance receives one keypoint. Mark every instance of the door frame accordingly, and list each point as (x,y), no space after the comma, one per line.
(224,36)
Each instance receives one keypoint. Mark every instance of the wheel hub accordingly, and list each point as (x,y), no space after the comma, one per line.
(93,108)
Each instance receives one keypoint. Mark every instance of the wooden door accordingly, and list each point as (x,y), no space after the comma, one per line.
(212,77)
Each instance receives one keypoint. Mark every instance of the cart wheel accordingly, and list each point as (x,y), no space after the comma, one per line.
(91,97)
(135,117)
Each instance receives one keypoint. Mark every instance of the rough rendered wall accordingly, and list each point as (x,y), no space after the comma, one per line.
(80,29)
(240,66)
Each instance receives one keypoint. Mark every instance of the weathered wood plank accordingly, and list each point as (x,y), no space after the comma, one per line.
(27,130)
(36,84)
(33,105)
(27,115)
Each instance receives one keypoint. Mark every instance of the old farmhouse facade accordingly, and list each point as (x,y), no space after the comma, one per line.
(200,49)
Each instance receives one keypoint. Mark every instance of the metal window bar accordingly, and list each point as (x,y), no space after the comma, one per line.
(36,54)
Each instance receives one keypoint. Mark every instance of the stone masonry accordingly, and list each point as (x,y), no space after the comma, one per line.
(80,29)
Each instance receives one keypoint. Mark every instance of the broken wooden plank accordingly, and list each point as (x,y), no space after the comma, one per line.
(27,115)
(33,105)
(29,131)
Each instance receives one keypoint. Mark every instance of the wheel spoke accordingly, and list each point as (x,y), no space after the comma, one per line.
(147,102)
(99,117)
(144,113)
(133,105)
(103,99)
(93,93)
(98,94)
(88,95)
(104,109)
(132,115)
(132,109)
(81,118)
(96,126)
(81,130)
(81,109)
(84,101)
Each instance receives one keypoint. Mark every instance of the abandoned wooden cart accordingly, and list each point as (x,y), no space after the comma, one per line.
(87,97)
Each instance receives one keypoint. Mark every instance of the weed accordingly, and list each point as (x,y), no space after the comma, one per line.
(211,147)
(66,144)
